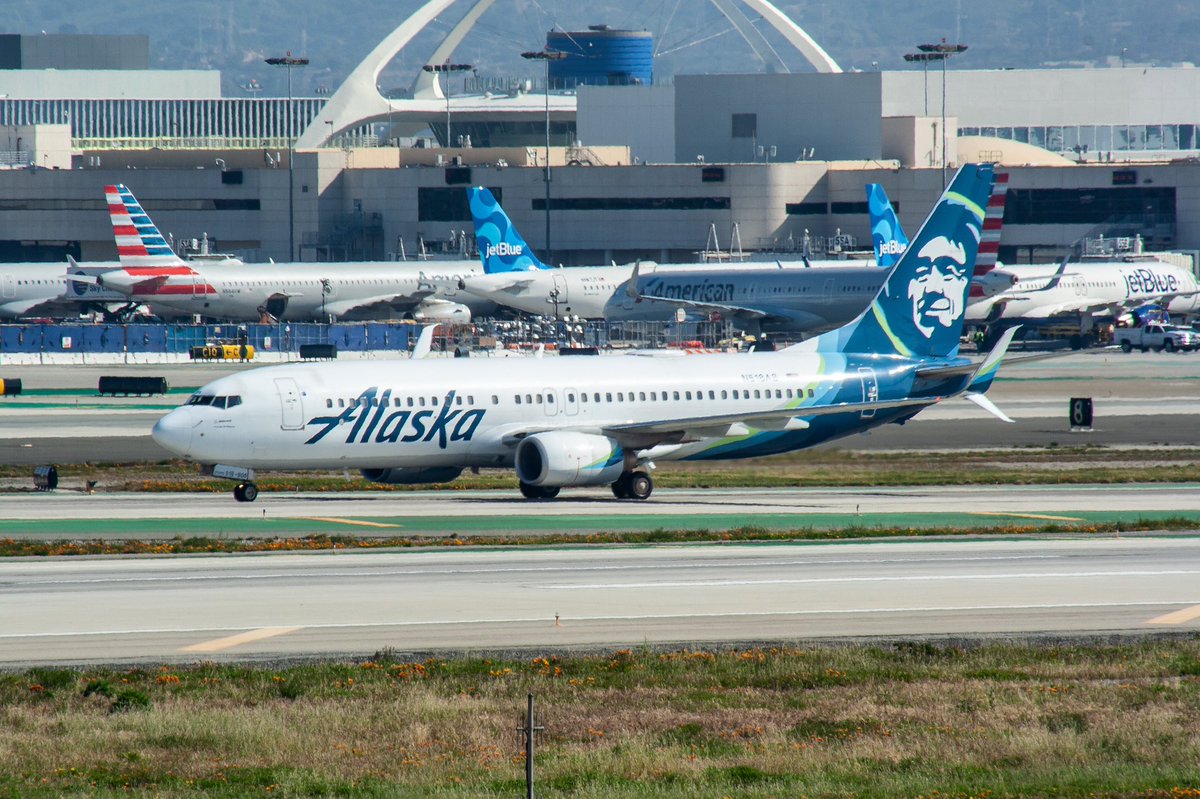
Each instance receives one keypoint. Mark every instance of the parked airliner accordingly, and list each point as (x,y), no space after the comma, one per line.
(151,272)
(45,289)
(605,421)
(756,295)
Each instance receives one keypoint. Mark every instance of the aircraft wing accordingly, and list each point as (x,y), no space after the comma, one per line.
(739,310)
(398,301)
(646,434)
(17,308)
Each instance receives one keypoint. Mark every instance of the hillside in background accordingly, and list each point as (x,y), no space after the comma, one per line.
(692,37)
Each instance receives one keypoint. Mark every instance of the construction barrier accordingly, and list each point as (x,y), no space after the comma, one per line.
(10,386)
(318,351)
(224,352)
(114,385)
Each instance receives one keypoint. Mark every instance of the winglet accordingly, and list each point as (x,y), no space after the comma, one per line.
(424,342)
(983,402)
(631,286)
(981,381)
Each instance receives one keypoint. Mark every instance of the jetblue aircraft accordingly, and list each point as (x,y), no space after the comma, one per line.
(605,421)
(756,295)
(151,272)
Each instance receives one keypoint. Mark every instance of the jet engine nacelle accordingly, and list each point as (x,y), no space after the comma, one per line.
(442,311)
(564,458)
(438,474)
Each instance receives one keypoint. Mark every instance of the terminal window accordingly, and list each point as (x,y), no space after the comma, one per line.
(745,126)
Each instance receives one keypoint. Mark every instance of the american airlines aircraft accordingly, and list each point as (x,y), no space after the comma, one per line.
(605,421)
(151,272)
(756,295)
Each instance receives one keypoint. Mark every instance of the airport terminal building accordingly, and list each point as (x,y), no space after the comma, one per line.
(638,168)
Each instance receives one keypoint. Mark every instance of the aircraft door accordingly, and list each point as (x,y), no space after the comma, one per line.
(290,403)
(558,294)
(570,402)
(9,288)
(550,403)
(827,291)
(870,389)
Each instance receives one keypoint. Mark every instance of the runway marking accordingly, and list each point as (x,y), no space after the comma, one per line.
(221,644)
(359,522)
(639,617)
(1178,617)
(922,578)
(1041,516)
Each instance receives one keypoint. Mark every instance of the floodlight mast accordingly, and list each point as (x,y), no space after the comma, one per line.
(546,56)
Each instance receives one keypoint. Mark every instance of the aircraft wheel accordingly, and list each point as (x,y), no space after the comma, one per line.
(640,485)
(550,492)
(1126,346)
(620,486)
(530,491)
(245,492)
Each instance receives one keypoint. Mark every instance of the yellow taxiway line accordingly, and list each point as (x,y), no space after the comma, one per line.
(1178,616)
(1041,516)
(359,522)
(221,644)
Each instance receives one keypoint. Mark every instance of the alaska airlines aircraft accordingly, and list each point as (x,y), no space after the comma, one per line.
(594,292)
(45,289)
(605,421)
(151,272)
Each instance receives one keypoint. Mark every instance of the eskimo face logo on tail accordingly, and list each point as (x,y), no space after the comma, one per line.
(939,288)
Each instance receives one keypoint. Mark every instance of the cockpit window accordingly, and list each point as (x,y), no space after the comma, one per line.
(206,399)
(217,402)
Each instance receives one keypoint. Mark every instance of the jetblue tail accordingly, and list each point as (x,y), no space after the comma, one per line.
(886,234)
(138,241)
(501,248)
(918,311)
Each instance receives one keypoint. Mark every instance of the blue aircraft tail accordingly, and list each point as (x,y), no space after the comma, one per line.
(886,234)
(918,311)
(501,248)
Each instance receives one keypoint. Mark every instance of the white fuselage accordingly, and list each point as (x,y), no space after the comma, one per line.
(299,291)
(585,291)
(1089,288)
(471,413)
(32,288)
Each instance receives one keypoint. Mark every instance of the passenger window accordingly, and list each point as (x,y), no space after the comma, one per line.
(396,402)
(735,393)
(528,399)
(458,400)
(789,393)
(712,395)
(620,396)
(583,396)
(433,401)
(675,394)
(687,394)
(550,399)
(539,398)
(470,399)
(778,394)
(608,396)
(810,393)
(329,403)
(409,402)
(518,398)
(495,400)
(724,394)
(596,396)
(654,396)
(421,400)
(642,396)
(570,398)
(757,395)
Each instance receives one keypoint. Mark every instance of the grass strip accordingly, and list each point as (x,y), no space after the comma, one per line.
(554,536)
(877,720)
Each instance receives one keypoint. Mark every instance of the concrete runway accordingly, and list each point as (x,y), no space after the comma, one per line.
(80,610)
(1140,399)
(72,515)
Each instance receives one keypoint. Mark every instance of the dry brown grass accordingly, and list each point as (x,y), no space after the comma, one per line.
(909,720)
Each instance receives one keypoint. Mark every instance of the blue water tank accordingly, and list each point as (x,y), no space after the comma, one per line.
(602,56)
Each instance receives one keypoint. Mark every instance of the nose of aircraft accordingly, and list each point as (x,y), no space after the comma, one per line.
(174,432)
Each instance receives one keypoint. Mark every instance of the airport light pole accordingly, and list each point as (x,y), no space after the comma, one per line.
(288,61)
(546,56)
(943,51)
(448,68)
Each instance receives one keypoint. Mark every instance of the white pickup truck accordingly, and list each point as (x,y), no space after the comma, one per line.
(1156,337)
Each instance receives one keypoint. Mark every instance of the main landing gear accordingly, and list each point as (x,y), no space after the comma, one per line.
(245,492)
(633,485)
(530,491)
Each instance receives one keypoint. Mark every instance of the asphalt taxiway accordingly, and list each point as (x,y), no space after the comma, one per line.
(71,611)
(131,515)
